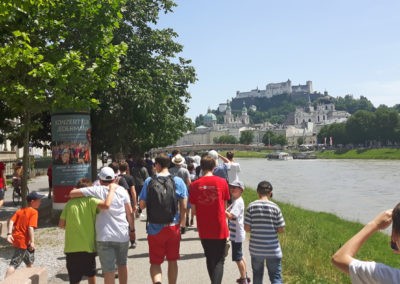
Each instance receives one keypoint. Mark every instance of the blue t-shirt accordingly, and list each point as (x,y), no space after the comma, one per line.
(181,193)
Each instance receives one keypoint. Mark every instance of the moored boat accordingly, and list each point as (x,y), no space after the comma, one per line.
(282,156)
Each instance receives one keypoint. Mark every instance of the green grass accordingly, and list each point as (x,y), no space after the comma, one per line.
(311,238)
(382,153)
(251,154)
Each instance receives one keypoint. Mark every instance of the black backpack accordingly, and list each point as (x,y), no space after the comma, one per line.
(161,202)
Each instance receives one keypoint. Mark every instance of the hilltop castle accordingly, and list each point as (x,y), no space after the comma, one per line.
(274,89)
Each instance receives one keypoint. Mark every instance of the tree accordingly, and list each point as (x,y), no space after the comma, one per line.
(226,139)
(386,122)
(54,55)
(359,127)
(148,105)
(246,137)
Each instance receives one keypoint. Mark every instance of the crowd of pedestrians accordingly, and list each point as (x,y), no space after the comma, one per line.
(176,192)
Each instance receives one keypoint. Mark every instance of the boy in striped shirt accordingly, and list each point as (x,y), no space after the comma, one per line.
(264,220)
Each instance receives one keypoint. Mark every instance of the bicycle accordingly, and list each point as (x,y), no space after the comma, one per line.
(16,194)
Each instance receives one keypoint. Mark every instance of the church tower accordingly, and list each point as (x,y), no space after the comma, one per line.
(245,117)
(228,117)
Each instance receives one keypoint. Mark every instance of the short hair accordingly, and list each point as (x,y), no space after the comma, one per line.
(229,155)
(207,163)
(83,182)
(123,166)
(114,166)
(163,160)
(264,187)
(396,220)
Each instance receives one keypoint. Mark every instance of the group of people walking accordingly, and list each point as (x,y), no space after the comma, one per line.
(99,219)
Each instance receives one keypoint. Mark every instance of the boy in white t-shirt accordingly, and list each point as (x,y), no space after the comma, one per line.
(237,234)
(370,271)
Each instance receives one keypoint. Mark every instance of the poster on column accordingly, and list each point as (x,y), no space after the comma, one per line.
(71,144)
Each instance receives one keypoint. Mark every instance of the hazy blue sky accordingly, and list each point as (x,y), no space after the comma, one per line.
(342,46)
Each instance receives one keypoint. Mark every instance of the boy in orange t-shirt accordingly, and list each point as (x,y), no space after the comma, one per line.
(21,233)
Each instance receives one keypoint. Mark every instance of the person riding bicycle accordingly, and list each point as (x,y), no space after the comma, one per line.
(17,177)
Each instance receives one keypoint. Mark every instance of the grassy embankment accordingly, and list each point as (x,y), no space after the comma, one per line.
(310,240)
(381,154)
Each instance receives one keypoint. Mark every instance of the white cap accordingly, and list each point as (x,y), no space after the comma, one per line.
(213,154)
(106,174)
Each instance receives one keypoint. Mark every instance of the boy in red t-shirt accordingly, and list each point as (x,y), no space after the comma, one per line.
(21,233)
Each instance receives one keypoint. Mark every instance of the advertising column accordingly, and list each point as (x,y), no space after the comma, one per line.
(71,144)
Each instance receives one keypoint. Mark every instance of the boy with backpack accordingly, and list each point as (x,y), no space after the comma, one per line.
(161,195)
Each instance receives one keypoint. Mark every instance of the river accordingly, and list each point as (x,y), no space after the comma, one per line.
(356,190)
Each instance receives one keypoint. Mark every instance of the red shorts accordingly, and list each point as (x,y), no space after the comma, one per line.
(165,244)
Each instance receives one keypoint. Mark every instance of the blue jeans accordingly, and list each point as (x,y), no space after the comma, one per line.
(274,266)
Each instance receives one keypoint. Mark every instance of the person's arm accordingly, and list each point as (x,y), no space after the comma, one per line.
(134,197)
(247,227)
(61,223)
(224,159)
(111,192)
(76,192)
(344,256)
(131,221)
(31,232)
(10,237)
(280,229)
(182,211)
(193,208)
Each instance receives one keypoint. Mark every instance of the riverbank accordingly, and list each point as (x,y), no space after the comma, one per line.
(377,154)
(311,238)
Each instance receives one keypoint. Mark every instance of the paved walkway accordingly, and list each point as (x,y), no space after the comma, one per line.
(192,265)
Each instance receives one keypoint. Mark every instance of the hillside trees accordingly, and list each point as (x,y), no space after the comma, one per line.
(53,55)
(147,107)
(366,128)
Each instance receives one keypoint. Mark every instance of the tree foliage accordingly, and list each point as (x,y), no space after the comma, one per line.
(54,55)
(271,138)
(226,139)
(246,137)
(148,105)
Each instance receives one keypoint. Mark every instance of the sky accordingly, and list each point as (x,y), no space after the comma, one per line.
(342,46)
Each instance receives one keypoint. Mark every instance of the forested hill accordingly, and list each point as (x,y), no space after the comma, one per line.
(277,108)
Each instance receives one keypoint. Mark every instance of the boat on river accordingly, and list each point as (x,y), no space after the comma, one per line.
(282,156)
(304,155)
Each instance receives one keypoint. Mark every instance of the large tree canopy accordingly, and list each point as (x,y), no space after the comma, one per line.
(148,105)
(54,55)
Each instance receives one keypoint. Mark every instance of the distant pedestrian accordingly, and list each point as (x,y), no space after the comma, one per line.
(237,234)
(233,167)
(3,183)
(220,170)
(264,220)
(114,227)
(209,196)
(78,219)
(50,179)
(21,233)
(165,198)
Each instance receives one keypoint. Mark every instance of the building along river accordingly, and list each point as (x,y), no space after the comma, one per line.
(355,190)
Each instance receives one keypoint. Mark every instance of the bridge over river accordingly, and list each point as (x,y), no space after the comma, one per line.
(199,148)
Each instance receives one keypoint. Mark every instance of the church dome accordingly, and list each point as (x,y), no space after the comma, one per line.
(210,117)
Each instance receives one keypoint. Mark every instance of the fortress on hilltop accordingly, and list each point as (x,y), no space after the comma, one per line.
(273,89)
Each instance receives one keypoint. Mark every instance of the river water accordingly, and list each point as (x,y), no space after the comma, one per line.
(356,190)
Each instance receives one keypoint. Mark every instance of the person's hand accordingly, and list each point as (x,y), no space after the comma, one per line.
(113,186)
(10,239)
(132,235)
(383,220)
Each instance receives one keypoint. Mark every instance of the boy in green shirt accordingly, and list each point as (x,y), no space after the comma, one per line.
(78,219)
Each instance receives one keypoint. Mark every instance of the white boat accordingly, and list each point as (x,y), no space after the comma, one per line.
(283,156)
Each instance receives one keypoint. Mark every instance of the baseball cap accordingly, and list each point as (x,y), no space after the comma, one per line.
(213,154)
(34,196)
(106,174)
(237,183)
